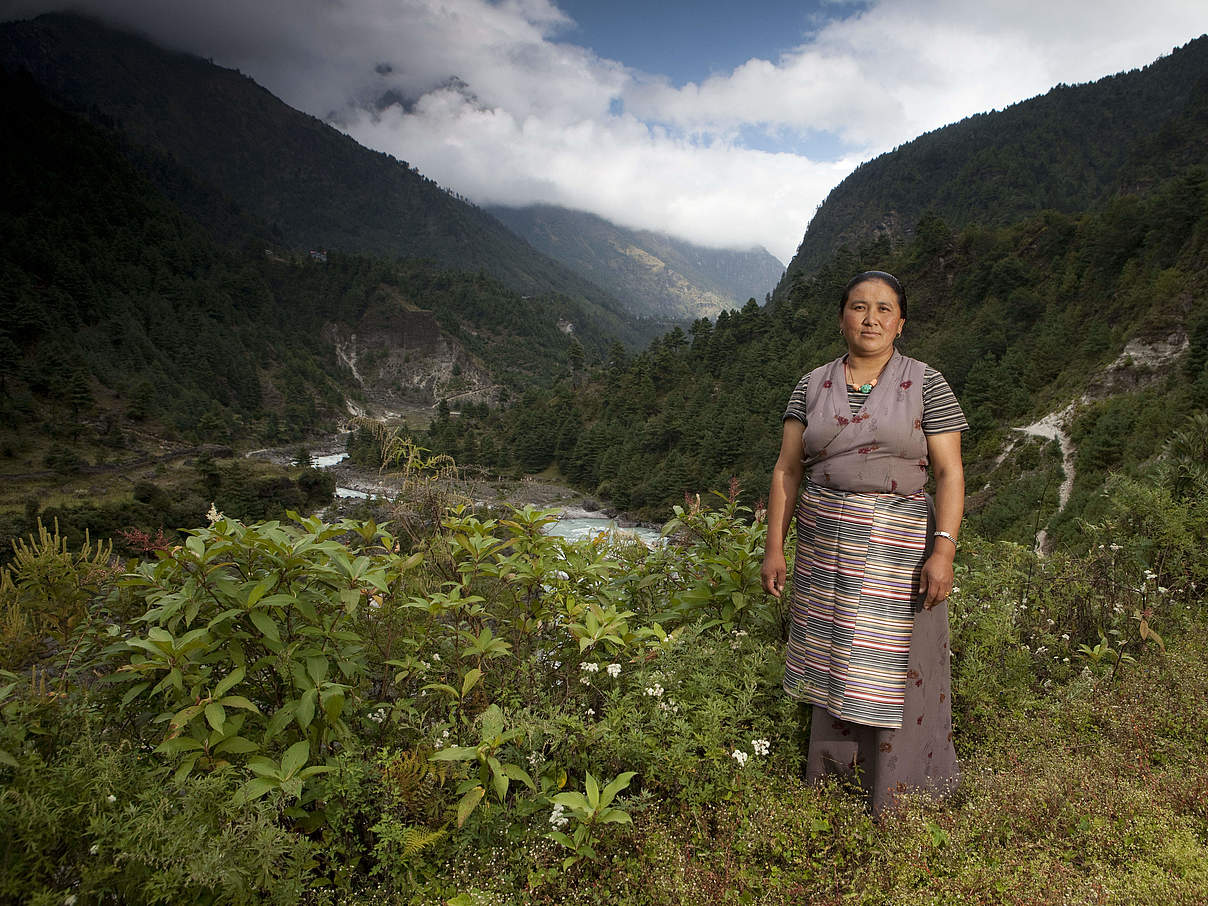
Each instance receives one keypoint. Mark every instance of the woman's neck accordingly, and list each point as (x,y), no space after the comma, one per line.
(863,366)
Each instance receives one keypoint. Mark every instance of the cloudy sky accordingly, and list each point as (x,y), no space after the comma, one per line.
(722,122)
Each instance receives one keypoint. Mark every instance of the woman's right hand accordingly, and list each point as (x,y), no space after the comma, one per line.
(774,572)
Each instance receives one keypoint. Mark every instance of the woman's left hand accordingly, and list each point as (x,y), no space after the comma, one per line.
(936,580)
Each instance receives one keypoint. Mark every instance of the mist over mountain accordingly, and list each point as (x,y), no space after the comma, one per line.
(310,186)
(654,273)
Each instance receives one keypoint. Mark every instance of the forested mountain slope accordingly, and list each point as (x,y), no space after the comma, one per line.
(1068,150)
(313,187)
(669,277)
(1026,314)
(123,316)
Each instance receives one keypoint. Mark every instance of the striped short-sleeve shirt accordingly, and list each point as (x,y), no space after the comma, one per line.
(941,412)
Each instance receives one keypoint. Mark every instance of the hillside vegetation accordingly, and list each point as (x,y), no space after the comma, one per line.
(1020,320)
(480,713)
(1069,150)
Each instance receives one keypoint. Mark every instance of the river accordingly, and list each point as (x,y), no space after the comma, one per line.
(573,523)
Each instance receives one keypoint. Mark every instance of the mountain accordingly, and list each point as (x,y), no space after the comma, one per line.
(656,274)
(1089,325)
(1067,150)
(310,186)
(124,316)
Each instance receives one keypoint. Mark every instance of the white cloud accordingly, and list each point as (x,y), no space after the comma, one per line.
(535,117)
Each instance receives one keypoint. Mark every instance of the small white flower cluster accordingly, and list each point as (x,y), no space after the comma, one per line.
(535,760)
(212,514)
(740,756)
(589,667)
(557,817)
(761,747)
(655,691)
(738,634)
(614,670)
(111,798)
(441,740)
(378,715)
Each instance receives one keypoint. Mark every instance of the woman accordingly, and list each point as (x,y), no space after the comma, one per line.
(868,643)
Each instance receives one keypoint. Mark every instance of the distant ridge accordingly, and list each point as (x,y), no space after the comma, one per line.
(1065,151)
(657,274)
(312,185)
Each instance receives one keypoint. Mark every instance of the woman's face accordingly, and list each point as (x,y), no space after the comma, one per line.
(871,318)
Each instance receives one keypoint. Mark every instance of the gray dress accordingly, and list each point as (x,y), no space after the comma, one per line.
(917,755)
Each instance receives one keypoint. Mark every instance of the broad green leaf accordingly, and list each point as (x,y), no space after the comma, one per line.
(333,704)
(259,589)
(279,721)
(456,753)
(518,773)
(593,792)
(6,758)
(294,758)
(266,624)
(305,709)
(185,767)
(469,681)
(492,724)
(178,744)
(182,717)
(618,783)
(238,701)
(468,803)
(316,668)
(264,767)
(133,692)
(462,899)
(235,745)
(614,816)
(215,715)
(195,545)
(256,787)
(229,682)
(498,778)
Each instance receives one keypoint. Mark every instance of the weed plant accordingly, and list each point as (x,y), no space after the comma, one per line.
(484,713)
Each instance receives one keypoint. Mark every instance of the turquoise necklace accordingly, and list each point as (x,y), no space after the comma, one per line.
(867,386)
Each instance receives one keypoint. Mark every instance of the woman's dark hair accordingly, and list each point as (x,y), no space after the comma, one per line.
(888,279)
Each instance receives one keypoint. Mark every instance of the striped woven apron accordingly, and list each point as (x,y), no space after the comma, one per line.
(855,581)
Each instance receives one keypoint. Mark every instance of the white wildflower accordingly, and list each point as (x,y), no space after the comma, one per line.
(591,712)
(740,756)
(1150,574)
(1113,547)
(212,515)
(1065,636)
(1162,590)
(761,746)
(584,680)
(655,691)
(94,849)
(435,656)
(557,818)
(589,667)
(614,670)
(111,798)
